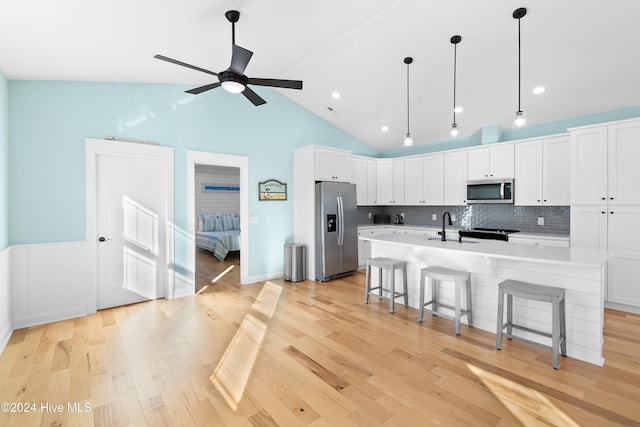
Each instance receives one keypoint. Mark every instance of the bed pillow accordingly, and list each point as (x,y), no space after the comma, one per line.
(227,222)
(211,222)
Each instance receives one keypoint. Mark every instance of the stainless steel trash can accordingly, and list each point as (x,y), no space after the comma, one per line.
(294,262)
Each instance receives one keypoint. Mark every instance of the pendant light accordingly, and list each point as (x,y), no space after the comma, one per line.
(520,120)
(454,132)
(408,138)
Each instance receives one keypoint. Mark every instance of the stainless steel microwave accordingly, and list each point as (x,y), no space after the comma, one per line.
(491,191)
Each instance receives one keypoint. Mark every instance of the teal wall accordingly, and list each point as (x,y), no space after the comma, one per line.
(47,168)
(4,163)
(531,131)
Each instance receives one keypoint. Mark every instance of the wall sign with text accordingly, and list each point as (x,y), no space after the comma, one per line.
(272,189)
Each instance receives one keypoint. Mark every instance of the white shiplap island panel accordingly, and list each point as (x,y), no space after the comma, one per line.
(581,272)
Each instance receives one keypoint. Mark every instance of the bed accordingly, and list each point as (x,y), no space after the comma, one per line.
(218,233)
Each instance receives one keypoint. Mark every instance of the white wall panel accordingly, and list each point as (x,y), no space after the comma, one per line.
(49,282)
(5,295)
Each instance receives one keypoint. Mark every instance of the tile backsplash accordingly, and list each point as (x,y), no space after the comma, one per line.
(523,218)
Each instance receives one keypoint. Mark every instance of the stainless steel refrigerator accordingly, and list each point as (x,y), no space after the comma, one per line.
(336,230)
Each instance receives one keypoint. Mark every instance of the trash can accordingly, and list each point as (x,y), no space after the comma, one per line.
(294,262)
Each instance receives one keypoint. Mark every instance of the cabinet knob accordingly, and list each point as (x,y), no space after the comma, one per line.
(603,212)
(610,198)
(604,198)
(611,212)
(545,200)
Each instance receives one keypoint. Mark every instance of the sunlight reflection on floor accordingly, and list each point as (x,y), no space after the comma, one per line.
(529,406)
(232,373)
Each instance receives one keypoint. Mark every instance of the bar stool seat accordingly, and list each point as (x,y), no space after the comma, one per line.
(389,265)
(550,294)
(437,274)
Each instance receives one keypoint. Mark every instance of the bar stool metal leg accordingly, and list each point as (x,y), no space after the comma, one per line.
(458,285)
(500,320)
(469,310)
(563,330)
(367,282)
(421,304)
(404,285)
(392,303)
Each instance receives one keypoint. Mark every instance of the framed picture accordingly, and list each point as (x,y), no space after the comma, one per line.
(272,189)
(215,188)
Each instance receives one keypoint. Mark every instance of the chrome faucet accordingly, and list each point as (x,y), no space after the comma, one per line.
(444,232)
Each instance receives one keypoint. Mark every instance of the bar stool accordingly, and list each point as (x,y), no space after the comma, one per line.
(538,293)
(390,265)
(437,274)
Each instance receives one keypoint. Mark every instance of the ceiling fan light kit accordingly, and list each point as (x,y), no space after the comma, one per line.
(520,119)
(454,132)
(408,138)
(233,79)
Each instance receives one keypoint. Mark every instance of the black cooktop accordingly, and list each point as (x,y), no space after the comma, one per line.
(488,233)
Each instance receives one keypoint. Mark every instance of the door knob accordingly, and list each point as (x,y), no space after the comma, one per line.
(102,239)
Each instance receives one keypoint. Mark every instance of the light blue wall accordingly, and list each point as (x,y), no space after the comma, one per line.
(4,163)
(531,131)
(47,170)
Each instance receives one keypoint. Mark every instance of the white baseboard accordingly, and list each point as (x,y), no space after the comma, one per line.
(4,338)
(263,277)
(622,307)
(41,318)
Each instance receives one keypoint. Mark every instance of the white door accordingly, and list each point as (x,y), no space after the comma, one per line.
(131,221)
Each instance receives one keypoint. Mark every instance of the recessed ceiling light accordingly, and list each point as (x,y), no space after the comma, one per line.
(335,95)
(458,110)
(384,128)
(538,90)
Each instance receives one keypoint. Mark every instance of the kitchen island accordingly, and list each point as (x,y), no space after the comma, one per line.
(581,272)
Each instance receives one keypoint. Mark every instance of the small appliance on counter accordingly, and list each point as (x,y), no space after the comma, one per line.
(382,219)
(398,220)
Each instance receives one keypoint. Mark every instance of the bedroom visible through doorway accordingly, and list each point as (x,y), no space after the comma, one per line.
(217,222)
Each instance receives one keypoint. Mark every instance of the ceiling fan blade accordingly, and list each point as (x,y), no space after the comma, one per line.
(204,88)
(240,59)
(287,84)
(253,97)
(184,64)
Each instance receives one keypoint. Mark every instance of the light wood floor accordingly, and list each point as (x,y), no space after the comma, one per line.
(293,354)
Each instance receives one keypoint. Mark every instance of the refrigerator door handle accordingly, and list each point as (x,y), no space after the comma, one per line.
(340,222)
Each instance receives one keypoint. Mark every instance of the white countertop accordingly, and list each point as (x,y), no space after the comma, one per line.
(504,250)
(453,229)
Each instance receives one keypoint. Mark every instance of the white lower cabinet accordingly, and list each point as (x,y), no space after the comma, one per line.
(540,240)
(616,229)
(364,248)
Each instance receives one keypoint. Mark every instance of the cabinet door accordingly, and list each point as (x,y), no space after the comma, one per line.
(501,161)
(556,179)
(528,173)
(434,180)
(455,178)
(372,182)
(589,227)
(385,182)
(624,268)
(589,166)
(360,178)
(342,166)
(398,182)
(324,165)
(414,169)
(624,171)
(478,167)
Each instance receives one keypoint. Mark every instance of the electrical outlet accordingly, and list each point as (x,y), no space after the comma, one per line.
(370,215)
(434,217)
(540,220)
(402,216)
(453,217)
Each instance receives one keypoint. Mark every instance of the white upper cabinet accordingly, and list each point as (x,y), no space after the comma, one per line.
(624,167)
(493,162)
(360,179)
(372,182)
(589,166)
(332,165)
(542,172)
(390,182)
(424,180)
(604,164)
(455,178)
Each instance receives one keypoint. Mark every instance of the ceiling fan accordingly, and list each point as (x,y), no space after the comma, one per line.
(233,79)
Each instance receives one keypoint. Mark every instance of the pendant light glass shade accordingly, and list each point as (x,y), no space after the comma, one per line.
(520,120)
(408,138)
(454,132)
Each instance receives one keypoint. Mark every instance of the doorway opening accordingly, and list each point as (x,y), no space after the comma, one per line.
(216,162)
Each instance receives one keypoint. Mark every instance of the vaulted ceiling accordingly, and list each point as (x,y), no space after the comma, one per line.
(583,51)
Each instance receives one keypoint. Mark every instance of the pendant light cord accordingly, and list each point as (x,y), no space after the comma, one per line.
(408,99)
(455,56)
(519,68)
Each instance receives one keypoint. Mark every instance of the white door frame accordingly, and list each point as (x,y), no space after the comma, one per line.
(95,147)
(228,160)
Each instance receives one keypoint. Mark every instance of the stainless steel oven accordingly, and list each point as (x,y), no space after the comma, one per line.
(490,191)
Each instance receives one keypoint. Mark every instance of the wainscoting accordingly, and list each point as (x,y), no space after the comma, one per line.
(49,282)
(5,306)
